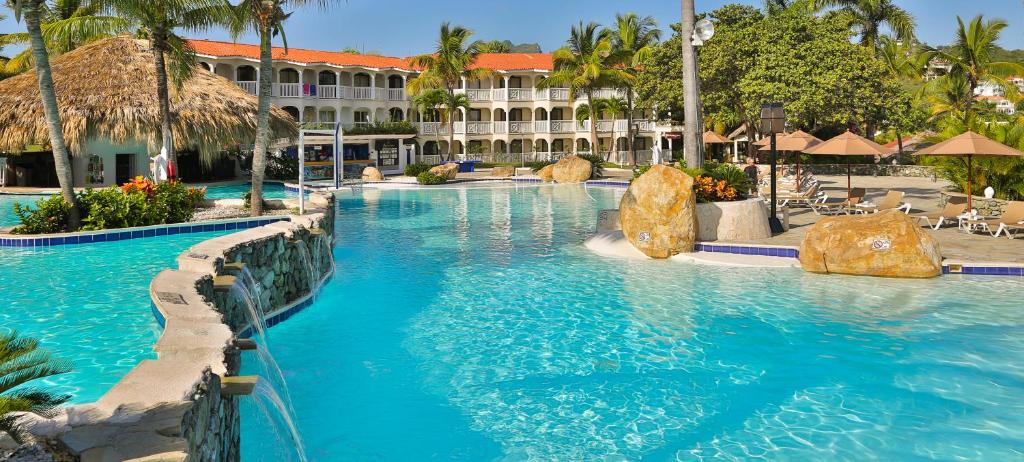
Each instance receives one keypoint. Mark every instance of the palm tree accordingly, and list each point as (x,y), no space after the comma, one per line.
(429,104)
(451,103)
(452,60)
(66,25)
(158,20)
(693,146)
(32,10)
(584,65)
(868,16)
(20,363)
(633,41)
(267,18)
(612,107)
(495,46)
(971,57)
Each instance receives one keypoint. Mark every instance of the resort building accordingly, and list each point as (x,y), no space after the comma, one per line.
(508,117)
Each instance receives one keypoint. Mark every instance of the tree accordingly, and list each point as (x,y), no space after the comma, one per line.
(158,20)
(612,107)
(971,57)
(901,63)
(868,16)
(267,18)
(66,25)
(31,10)
(633,41)
(453,60)
(429,103)
(495,46)
(586,64)
(21,362)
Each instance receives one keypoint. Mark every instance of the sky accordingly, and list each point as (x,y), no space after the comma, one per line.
(408,27)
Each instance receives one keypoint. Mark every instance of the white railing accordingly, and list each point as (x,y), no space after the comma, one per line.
(562,126)
(520,94)
(359,93)
(249,87)
(558,94)
(604,93)
(288,90)
(431,159)
(478,128)
(501,127)
(396,94)
(499,94)
(459,127)
(519,127)
(433,128)
(476,94)
(541,126)
(328,91)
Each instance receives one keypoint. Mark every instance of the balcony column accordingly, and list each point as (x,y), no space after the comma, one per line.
(464,86)
(373,86)
(506,87)
(405,82)
(337,89)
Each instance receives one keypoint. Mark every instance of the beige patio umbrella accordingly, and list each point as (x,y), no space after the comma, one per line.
(797,141)
(849,144)
(767,141)
(968,145)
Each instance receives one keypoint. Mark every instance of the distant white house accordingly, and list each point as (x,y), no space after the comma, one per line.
(1001,103)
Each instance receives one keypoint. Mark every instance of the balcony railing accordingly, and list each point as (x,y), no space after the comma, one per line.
(396,94)
(562,126)
(519,127)
(287,90)
(476,94)
(361,93)
(249,87)
(520,94)
(478,128)
(498,94)
(328,91)
(501,127)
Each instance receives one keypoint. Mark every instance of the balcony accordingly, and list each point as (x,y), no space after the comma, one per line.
(396,94)
(359,93)
(520,94)
(518,127)
(478,128)
(476,94)
(249,87)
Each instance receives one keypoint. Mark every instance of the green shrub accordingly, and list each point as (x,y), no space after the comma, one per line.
(139,203)
(597,162)
(49,216)
(639,170)
(429,178)
(729,173)
(536,166)
(282,167)
(416,169)
(402,127)
(247,200)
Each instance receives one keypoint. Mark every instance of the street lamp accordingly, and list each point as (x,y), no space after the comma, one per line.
(703,30)
(773,121)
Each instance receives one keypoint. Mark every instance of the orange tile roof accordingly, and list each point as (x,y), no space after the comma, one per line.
(495,61)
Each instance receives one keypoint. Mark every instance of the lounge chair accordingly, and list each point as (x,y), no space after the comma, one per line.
(893,200)
(950,213)
(1009,222)
(837,205)
(807,196)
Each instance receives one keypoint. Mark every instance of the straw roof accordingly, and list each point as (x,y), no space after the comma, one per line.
(796,141)
(969,143)
(107,90)
(849,144)
(711,137)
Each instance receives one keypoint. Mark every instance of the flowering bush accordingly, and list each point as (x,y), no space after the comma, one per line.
(139,202)
(709,189)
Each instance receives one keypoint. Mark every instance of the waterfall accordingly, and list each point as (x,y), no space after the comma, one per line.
(307,261)
(253,308)
(271,404)
(325,242)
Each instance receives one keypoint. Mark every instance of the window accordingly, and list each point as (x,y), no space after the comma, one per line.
(245,74)
(395,114)
(362,80)
(327,115)
(361,117)
(289,76)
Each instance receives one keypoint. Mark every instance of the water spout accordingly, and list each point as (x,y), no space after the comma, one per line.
(271,404)
(307,262)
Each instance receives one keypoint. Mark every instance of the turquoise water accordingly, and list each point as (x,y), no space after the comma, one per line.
(7,201)
(237,191)
(88,304)
(471,324)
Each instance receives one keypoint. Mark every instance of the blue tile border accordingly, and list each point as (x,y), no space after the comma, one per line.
(980,270)
(742,249)
(111,235)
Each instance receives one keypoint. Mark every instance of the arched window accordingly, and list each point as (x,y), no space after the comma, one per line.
(245,74)
(395,114)
(289,76)
(292,111)
(327,78)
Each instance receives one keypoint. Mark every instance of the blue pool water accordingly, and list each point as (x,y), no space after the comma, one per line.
(7,201)
(471,324)
(88,304)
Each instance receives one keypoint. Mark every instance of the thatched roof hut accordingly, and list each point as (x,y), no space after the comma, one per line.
(107,90)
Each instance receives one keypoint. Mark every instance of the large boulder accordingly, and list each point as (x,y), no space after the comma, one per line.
(887,244)
(547,173)
(572,169)
(448,171)
(503,172)
(372,174)
(658,212)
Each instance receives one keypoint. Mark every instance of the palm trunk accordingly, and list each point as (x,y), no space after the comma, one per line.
(899,143)
(691,135)
(163,96)
(259,154)
(61,160)
(594,147)
(629,127)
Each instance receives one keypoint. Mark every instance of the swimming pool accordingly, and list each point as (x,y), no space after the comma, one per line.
(471,324)
(88,304)
(7,201)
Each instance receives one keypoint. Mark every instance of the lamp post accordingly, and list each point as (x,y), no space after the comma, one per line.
(773,121)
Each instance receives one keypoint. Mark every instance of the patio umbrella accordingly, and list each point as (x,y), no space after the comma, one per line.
(848,144)
(711,137)
(767,141)
(968,145)
(797,141)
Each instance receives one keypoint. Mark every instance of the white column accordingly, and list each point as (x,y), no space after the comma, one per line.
(373,88)
(506,87)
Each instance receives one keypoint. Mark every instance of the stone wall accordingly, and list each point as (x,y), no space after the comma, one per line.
(176,407)
(920,171)
(987,207)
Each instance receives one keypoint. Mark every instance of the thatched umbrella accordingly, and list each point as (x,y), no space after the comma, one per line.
(849,144)
(711,137)
(968,145)
(797,141)
(107,89)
